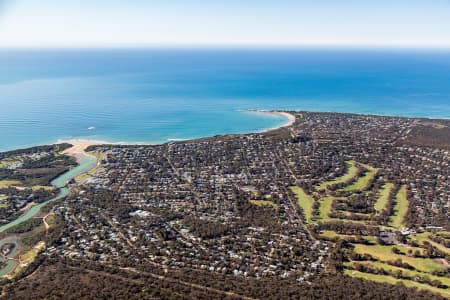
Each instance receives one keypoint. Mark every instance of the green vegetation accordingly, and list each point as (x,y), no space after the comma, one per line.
(362,183)
(392,280)
(304,201)
(100,156)
(383,197)
(443,234)
(405,264)
(425,237)
(42,187)
(332,234)
(408,273)
(264,203)
(8,183)
(34,167)
(384,253)
(373,277)
(351,172)
(25,226)
(33,239)
(325,208)
(400,209)
(5,163)
(32,253)
(347,214)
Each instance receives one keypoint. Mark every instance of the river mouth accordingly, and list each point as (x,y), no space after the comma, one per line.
(86,162)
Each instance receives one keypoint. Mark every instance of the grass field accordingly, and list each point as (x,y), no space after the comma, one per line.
(383,197)
(410,273)
(332,234)
(30,255)
(348,214)
(384,253)
(304,201)
(444,234)
(264,203)
(351,172)
(325,208)
(422,237)
(400,209)
(392,280)
(43,187)
(51,219)
(362,183)
(423,267)
(5,163)
(8,183)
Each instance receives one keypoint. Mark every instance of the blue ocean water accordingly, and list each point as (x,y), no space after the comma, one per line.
(155,95)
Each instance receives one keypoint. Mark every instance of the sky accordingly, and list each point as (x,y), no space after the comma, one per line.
(142,23)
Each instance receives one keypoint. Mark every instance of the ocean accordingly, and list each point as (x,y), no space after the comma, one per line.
(158,95)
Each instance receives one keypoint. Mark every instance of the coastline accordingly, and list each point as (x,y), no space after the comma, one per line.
(79,145)
(290,118)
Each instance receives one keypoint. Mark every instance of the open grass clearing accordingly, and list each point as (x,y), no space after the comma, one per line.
(348,214)
(305,201)
(443,234)
(51,219)
(332,234)
(9,161)
(407,249)
(8,183)
(392,280)
(406,272)
(383,197)
(42,187)
(351,172)
(400,208)
(30,255)
(264,203)
(422,237)
(362,183)
(325,208)
(384,253)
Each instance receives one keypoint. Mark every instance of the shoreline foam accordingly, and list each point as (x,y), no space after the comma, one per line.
(79,145)
(290,118)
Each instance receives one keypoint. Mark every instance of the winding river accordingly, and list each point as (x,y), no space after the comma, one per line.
(85,163)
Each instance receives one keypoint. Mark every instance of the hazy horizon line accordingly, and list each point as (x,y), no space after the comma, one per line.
(227,46)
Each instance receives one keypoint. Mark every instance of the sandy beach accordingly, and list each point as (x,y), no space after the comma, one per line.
(290,118)
(79,146)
